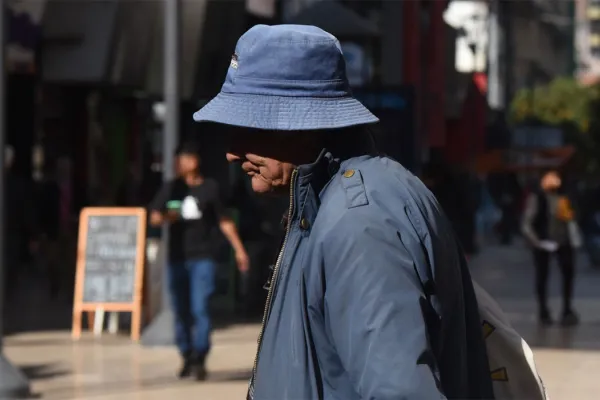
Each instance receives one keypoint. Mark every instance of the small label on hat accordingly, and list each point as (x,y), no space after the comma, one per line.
(234,61)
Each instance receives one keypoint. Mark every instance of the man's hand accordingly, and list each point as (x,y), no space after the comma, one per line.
(172,215)
(548,245)
(242,260)
(157,218)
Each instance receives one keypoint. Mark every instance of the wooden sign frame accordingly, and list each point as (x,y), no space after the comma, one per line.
(135,307)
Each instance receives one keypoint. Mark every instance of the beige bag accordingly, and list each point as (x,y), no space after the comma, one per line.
(513,369)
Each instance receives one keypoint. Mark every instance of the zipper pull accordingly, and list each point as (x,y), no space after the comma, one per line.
(284,220)
(267,284)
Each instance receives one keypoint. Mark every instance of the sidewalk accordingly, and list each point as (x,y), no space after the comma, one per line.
(507,274)
(111,368)
(568,358)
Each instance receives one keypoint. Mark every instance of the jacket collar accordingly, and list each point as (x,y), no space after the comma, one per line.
(311,182)
(318,173)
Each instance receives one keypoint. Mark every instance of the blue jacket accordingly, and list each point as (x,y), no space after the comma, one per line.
(355,310)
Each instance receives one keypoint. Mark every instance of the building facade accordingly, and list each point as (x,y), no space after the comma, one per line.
(588,40)
(543,40)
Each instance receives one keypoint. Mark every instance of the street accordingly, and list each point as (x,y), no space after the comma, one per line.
(110,368)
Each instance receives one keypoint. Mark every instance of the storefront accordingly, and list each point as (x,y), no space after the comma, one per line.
(24,38)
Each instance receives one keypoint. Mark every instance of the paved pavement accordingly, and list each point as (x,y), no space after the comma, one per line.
(111,368)
(568,359)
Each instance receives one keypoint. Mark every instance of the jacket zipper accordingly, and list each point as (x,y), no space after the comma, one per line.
(274,280)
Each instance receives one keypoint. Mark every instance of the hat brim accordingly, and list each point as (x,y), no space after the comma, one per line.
(285,113)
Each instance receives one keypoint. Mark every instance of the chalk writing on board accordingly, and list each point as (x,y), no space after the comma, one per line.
(110,259)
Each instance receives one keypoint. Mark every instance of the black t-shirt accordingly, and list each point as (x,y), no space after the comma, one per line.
(194,235)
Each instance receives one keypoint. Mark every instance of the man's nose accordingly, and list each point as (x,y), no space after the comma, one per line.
(232,157)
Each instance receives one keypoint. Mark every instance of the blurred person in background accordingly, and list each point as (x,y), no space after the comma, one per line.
(191,207)
(549,226)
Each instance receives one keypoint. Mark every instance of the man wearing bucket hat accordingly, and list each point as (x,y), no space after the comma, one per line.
(352,311)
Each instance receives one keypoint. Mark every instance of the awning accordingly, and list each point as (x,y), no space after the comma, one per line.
(77,41)
(518,160)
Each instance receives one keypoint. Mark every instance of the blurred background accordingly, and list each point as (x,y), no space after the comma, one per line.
(475,97)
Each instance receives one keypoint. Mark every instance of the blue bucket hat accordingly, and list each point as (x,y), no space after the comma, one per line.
(286,77)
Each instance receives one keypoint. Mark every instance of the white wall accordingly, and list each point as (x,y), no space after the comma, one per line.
(471,48)
(193,14)
(588,66)
(534,43)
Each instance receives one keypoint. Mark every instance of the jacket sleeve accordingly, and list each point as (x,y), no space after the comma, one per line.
(159,202)
(373,313)
(527,220)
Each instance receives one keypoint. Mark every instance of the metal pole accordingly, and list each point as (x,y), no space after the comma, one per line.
(13,384)
(160,331)
(495,92)
(2,162)
(507,50)
(171,85)
(572,53)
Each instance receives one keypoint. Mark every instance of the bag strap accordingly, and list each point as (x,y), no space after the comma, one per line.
(478,379)
(433,328)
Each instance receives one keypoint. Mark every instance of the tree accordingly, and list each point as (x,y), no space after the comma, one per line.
(567,104)
(562,101)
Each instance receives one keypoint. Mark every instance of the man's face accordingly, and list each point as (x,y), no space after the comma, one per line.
(269,158)
(551,181)
(187,163)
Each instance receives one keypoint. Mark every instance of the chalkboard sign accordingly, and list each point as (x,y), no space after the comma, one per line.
(110,263)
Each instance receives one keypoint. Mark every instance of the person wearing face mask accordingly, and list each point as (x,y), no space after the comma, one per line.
(549,226)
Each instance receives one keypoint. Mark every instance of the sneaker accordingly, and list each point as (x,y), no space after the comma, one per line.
(200,373)
(569,318)
(186,369)
(546,318)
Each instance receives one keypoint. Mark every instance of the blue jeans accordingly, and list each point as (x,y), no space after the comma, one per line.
(191,283)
